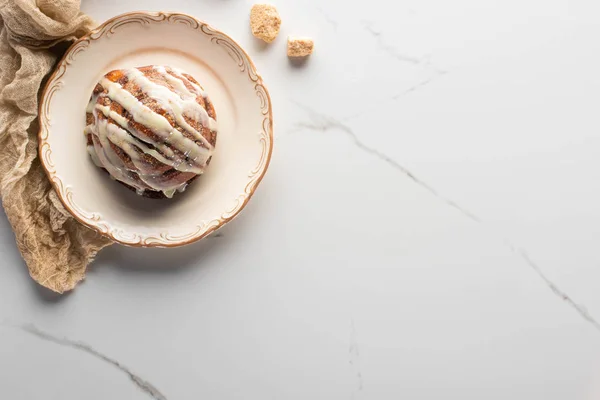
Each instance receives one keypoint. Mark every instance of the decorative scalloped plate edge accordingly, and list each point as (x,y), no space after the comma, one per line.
(94,220)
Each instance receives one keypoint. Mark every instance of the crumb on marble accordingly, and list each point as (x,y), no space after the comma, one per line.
(300,46)
(265,22)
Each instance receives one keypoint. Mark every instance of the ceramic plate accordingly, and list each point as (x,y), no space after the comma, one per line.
(243,148)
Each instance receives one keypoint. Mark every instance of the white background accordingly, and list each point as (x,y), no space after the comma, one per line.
(345,278)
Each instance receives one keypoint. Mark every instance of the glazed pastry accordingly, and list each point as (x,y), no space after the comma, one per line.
(151,128)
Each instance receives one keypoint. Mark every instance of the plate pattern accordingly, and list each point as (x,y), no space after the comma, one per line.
(95,220)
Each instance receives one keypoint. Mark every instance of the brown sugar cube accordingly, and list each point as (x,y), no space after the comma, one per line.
(265,22)
(300,46)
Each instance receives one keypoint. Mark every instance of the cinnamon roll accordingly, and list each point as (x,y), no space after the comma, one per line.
(151,128)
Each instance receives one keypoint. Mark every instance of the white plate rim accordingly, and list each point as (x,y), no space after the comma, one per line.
(95,221)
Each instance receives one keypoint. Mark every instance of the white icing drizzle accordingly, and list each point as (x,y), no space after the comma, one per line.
(115,168)
(173,103)
(179,102)
(128,144)
(180,75)
(155,122)
(170,157)
(177,82)
(92,152)
(91,104)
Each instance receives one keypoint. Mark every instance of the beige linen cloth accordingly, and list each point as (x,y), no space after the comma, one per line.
(56,248)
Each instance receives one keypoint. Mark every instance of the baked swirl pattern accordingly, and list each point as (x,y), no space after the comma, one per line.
(151,128)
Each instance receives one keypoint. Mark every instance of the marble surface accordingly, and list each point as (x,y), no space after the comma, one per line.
(428,228)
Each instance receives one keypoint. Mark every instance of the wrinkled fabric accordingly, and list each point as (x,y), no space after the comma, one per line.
(55,247)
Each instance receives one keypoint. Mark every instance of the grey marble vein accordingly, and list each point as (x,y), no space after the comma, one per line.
(328,19)
(320,122)
(143,385)
(581,309)
(389,49)
(436,74)
(354,354)
(419,85)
